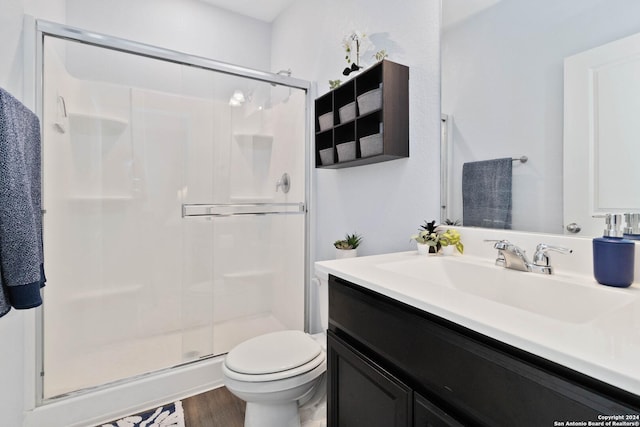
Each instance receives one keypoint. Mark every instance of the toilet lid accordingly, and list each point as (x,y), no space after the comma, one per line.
(274,352)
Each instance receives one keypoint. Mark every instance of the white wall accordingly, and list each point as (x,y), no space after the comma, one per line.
(188,26)
(11,47)
(384,202)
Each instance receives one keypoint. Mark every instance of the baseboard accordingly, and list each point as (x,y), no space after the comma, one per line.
(114,401)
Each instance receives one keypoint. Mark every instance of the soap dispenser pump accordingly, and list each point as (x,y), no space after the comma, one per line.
(632,226)
(613,256)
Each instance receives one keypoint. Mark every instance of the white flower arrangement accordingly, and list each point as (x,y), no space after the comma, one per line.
(360,40)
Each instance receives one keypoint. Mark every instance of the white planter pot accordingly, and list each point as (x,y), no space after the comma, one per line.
(346,253)
(423,249)
(448,250)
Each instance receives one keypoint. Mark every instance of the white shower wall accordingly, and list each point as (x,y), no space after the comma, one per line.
(133,286)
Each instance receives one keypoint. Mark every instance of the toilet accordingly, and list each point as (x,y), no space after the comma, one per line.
(280,373)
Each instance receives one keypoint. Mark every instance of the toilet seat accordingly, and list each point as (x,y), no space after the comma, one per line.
(282,375)
(273,356)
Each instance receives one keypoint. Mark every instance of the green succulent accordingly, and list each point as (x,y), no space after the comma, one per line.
(350,241)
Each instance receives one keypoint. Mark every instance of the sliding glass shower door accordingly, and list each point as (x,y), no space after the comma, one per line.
(168,233)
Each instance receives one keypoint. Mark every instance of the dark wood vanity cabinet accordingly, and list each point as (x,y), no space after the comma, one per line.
(391,364)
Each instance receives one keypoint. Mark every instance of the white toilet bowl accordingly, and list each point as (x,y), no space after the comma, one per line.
(275,374)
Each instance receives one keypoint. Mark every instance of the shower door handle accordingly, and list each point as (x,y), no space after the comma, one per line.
(223,210)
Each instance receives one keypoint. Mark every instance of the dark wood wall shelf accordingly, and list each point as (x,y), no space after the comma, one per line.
(352,126)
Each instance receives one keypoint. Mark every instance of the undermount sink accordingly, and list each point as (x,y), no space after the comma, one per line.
(550,296)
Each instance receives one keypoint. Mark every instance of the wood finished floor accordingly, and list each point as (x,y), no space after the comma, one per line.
(214,408)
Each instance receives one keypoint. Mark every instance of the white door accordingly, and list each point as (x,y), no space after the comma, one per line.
(601,134)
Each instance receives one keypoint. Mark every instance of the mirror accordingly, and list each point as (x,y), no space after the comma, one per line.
(503,97)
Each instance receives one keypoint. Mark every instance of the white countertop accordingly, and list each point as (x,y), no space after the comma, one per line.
(606,347)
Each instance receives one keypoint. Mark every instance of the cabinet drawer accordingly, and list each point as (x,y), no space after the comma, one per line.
(479,381)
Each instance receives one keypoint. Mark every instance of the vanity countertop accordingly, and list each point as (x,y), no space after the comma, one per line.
(605,346)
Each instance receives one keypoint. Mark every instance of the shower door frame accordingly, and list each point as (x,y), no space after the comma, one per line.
(42,29)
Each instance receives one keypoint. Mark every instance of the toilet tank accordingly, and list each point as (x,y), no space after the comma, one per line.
(324,303)
(320,303)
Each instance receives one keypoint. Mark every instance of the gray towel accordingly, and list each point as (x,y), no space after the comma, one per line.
(21,255)
(486,193)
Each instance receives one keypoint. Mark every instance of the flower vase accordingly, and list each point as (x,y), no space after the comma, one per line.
(423,248)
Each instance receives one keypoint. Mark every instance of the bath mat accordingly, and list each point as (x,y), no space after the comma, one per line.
(170,415)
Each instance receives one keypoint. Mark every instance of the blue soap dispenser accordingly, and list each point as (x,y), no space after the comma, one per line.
(613,256)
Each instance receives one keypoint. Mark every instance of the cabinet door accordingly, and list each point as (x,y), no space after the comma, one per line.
(361,393)
(426,414)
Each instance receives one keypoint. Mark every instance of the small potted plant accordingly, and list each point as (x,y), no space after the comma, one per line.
(450,240)
(380,55)
(334,84)
(348,247)
(428,238)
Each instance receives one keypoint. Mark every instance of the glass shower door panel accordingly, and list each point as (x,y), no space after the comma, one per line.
(114,181)
(257,274)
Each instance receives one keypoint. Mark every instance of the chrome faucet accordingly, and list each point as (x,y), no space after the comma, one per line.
(511,256)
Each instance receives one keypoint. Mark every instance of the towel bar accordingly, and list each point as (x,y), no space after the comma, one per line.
(522,159)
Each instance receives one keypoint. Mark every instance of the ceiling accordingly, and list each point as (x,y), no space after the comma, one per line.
(454,11)
(264,10)
(267,10)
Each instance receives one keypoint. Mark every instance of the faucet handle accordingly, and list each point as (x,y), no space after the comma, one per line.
(499,244)
(542,259)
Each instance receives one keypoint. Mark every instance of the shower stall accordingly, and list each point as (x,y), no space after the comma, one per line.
(175,208)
